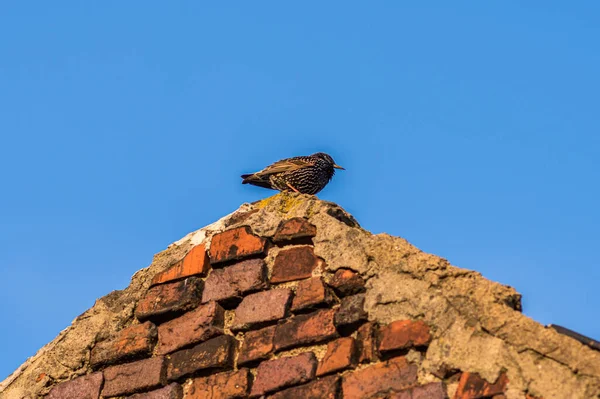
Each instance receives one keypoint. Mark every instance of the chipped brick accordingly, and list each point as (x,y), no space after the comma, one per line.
(236,244)
(347,282)
(472,386)
(275,374)
(395,374)
(195,263)
(233,281)
(351,311)
(232,384)
(294,264)
(340,355)
(215,353)
(305,329)
(133,377)
(195,326)
(171,391)
(434,390)
(293,230)
(262,307)
(85,387)
(366,343)
(257,345)
(311,293)
(324,388)
(403,334)
(170,299)
(129,343)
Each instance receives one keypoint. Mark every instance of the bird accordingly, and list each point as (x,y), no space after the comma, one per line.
(304,174)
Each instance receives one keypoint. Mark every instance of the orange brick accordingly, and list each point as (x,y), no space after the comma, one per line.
(236,244)
(85,387)
(275,374)
(311,293)
(257,345)
(262,307)
(472,386)
(196,262)
(340,355)
(293,230)
(232,384)
(295,264)
(129,343)
(403,334)
(170,299)
(395,374)
(305,329)
(133,377)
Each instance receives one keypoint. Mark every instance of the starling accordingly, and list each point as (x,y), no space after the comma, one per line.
(305,174)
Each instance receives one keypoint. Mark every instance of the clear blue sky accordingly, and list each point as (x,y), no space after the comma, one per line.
(472,130)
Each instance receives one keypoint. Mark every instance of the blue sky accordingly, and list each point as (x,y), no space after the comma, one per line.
(469,129)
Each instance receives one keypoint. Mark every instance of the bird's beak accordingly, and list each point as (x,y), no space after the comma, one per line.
(338,167)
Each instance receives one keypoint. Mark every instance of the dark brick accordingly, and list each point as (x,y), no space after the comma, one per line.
(262,307)
(129,343)
(233,281)
(347,282)
(236,244)
(85,387)
(232,384)
(472,386)
(434,390)
(195,263)
(295,264)
(403,334)
(305,329)
(171,391)
(351,311)
(311,293)
(366,343)
(215,353)
(195,326)
(134,377)
(395,374)
(324,388)
(170,299)
(275,374)
(257,345)
(295,229)
(340,355)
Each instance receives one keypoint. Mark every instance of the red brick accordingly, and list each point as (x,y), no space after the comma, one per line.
(347,282)
(305,329)
(294,264)
(170,299)
(340,355)
(232,384)
(171,391)
(311,293)
(236,244)
(472,386)
(324,388)
(215,353)
(233,281)
(85,387)
(294,229)
(262,307)
(351,311)
(134,377)
(195,263)
(403,334)
(275,374)
(195,326)
(257,345)
(394,375)
(366,343)
(129,343)
(434,390)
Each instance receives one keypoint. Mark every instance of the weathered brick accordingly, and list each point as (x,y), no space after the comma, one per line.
(134,377)
(311,293)
(85,387)
(231,384)
(340,355)
(324,388)
(395,374)
(295,229)
(275,374)
(170,299)
(366,343)
(305,329)
(262,307)
(236,244)
(403,334)
(434,390)
(347,282)
(351,311)
(233,281)
(294,264)
(472,386)
(195,326)
(257,345)
(129,343)
(171,391)
(215,353)
(195,263)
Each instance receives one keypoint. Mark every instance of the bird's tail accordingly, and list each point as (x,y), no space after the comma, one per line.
(256,181)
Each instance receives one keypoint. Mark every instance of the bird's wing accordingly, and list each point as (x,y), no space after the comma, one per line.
(285,165)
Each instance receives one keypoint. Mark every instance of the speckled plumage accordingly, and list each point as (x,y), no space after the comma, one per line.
(304,174)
